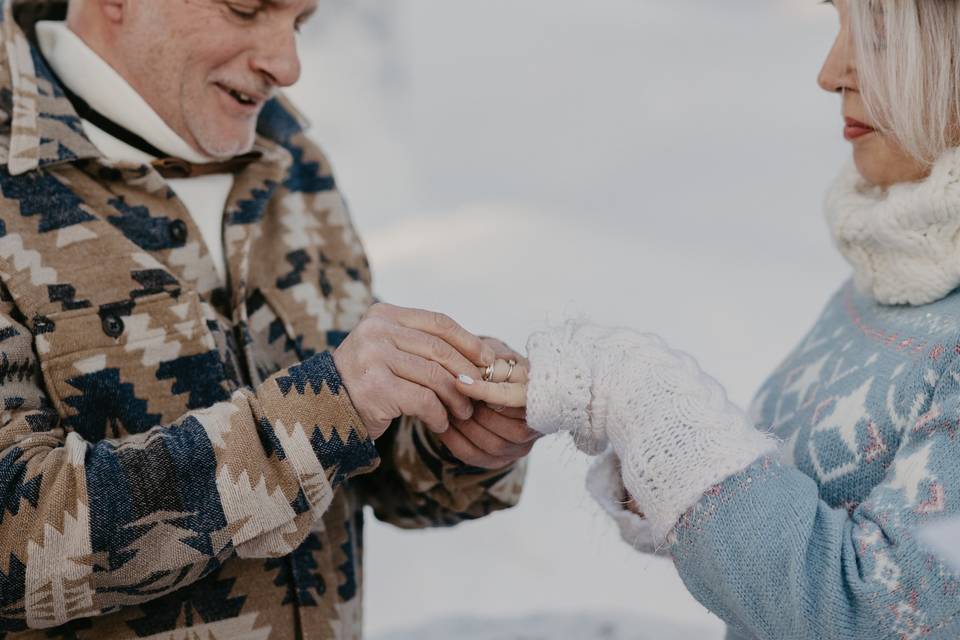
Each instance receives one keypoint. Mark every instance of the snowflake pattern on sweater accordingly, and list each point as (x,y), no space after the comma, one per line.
(822,544)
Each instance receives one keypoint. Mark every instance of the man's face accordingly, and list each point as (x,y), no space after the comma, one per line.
(208,66)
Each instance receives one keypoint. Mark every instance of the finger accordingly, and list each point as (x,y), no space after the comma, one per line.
(500,348)
(506,394)
(517,413)
(506,352)
(501,368)
(433,348)
(429,374)
(467,452)
(507,371)
(489,442)
(520,374)
(445,327)
(419,402)
(510,429)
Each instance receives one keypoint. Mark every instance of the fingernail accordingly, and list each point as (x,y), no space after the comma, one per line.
(465,379)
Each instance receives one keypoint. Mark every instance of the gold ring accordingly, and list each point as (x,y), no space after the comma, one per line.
(513,364)
(488,372)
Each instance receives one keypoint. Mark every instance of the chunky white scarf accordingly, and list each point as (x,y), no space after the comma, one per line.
(904,241)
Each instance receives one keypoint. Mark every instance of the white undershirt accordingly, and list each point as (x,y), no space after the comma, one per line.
(94,80)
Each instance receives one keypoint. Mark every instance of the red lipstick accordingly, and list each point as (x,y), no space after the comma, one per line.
(854,129)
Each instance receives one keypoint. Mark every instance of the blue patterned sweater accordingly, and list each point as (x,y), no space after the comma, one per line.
(822,544)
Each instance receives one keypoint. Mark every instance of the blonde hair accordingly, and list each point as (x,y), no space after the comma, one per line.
(908,65)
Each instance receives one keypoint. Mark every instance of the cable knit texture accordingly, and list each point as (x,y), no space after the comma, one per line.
(903,242)
(670,424)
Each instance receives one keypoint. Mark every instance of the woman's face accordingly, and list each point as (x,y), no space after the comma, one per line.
(878,157)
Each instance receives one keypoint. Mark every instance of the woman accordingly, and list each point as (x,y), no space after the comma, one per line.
(804,527)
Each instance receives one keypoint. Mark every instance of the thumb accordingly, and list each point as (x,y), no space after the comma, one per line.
(589,441)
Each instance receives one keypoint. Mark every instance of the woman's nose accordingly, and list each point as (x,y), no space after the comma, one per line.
(838,72)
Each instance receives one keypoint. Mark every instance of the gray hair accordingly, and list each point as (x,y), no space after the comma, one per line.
(908,62)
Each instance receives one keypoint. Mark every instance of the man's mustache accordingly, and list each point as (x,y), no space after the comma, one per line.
(259,91)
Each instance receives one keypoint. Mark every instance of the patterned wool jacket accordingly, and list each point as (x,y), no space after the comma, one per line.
(179,459)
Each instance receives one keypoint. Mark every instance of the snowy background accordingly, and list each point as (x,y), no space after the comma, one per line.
(648,163)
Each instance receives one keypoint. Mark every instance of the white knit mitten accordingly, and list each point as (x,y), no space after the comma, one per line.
(670,424)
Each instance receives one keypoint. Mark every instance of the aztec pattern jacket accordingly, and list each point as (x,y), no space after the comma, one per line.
(179,459)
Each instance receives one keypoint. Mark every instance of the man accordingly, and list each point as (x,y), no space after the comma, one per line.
(189,434)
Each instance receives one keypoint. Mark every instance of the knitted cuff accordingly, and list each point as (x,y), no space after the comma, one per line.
(605,485)
(560,395)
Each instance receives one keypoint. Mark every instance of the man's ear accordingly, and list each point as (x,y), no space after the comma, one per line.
(113,10)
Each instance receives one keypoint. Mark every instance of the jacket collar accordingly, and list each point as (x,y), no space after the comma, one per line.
(38,125)
(41,127)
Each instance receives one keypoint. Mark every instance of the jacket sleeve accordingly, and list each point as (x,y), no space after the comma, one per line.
(89,527)
(766,554)
(421,484)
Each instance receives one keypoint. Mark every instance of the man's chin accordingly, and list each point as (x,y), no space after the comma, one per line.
(226,146)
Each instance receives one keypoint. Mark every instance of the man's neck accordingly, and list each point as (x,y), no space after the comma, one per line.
(92,78)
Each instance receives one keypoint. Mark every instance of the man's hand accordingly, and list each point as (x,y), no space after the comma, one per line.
(491,439)
(494,436)
(401,361)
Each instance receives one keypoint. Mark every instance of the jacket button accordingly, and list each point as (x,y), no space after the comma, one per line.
(43,324)
(178,231)
(112,325)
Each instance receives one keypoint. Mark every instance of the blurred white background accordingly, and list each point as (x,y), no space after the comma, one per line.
(640,162)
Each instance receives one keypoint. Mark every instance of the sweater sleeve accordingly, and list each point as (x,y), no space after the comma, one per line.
(766,554)
(90,527)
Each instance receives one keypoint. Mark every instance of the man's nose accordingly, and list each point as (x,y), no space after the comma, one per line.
(276,57)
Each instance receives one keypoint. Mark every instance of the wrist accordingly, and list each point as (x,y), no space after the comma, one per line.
(559,393)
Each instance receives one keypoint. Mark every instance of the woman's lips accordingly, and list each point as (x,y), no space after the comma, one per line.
(854,129)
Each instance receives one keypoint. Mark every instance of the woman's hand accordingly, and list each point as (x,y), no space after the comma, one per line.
(631,504)
(507,383)
(497,434)
(508,393)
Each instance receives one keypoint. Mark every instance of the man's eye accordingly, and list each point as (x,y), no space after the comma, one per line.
(245,13)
